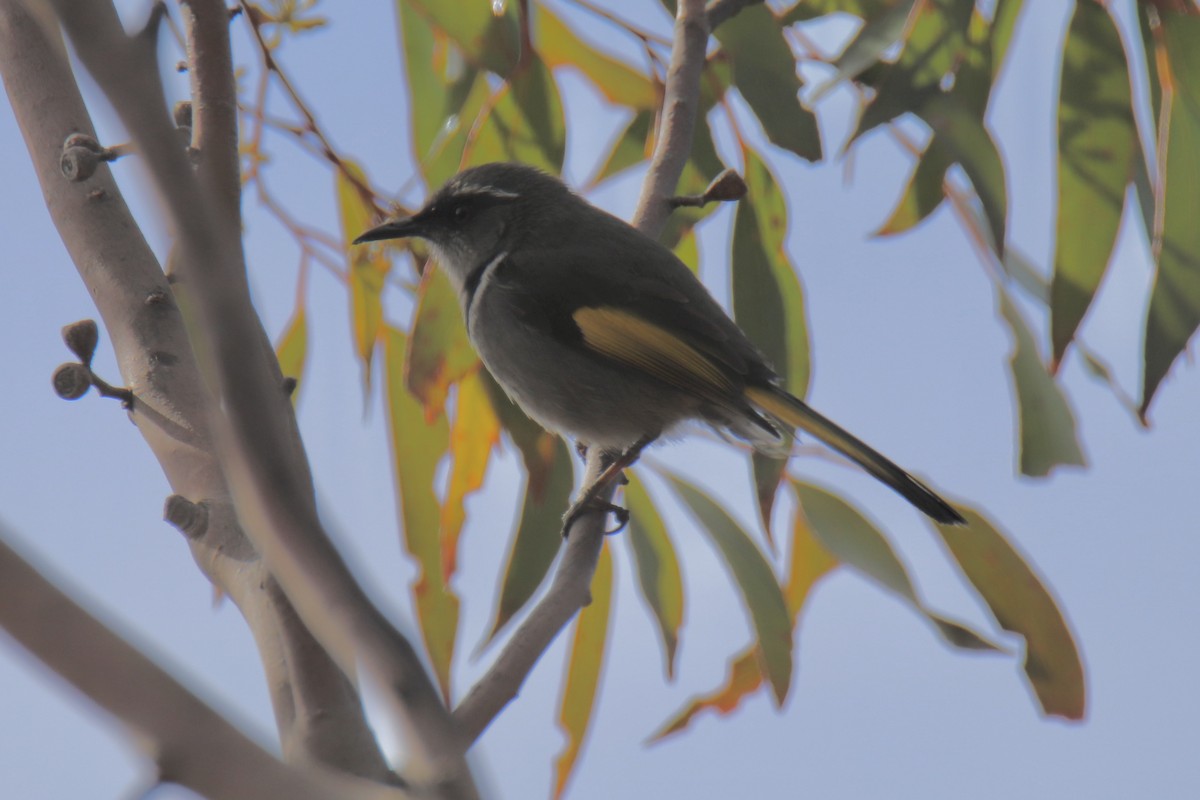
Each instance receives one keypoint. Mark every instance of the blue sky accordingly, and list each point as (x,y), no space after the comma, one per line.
(908,353)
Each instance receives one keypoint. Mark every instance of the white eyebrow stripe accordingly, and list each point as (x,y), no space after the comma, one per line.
(489,191)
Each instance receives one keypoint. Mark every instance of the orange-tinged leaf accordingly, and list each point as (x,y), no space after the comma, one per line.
(1174,312)
(583,670)
(617,81)
(810,562)
(659,577)
(744,678)
(439,351)
(417,447)
(475,431)
(368,267)
(292,349)
(756,582)
(1023,605)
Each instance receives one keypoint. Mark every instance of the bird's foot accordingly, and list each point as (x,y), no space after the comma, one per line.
(587,505)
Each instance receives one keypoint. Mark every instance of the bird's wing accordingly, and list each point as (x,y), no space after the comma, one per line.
(634,302)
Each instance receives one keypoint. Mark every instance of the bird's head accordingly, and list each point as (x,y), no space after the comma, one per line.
(480,213)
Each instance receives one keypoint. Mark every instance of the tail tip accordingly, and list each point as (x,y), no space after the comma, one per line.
(946,514)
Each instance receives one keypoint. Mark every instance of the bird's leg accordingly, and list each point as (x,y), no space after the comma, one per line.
(589,495)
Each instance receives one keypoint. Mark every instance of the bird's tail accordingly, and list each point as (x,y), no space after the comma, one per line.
(796,414)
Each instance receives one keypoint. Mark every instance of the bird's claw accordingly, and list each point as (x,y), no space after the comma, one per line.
(579,509)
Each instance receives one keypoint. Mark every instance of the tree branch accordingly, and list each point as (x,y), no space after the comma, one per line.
(192,744)
(257,441)
(681,104)
(569,591)
(570,588)
(214,103)
(170,397)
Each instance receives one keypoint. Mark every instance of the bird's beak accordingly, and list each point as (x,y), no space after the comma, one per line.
(392,229)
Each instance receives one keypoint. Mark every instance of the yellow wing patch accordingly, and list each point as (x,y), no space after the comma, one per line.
(632,340)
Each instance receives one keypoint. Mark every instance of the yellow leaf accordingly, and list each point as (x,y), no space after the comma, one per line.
(367,267)
(583,670)
(417,448)
(476,430)
(292,349)
(439,351)
(1021,604)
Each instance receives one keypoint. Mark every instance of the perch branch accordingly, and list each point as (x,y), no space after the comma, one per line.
(570,588)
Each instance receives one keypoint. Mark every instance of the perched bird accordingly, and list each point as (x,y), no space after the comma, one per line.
(599,332)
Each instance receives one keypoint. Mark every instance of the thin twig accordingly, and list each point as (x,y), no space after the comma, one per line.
(649,37)
(368,193)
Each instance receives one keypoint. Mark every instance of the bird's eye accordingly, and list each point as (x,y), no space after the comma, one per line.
(460,213)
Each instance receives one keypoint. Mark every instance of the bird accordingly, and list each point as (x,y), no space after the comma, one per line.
(600,333)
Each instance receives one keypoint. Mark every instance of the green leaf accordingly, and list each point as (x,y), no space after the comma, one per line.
(439,82)
(924,192)
(583,670)
(444,156)
(868,46)
(1096,140)
(1023,605)
(1175,299)
(968,141)
(548,485)
(1000,36)
(805,10)
(659,578)
(1047,426)
(764,71)
(439,351)
(854,541)
(631,147)
(292,349)
(617,81)
(934,48)
(525,124)
(755,580)
(488,39)
(368,267)
(417,447)
(768,300)
(1018,267)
